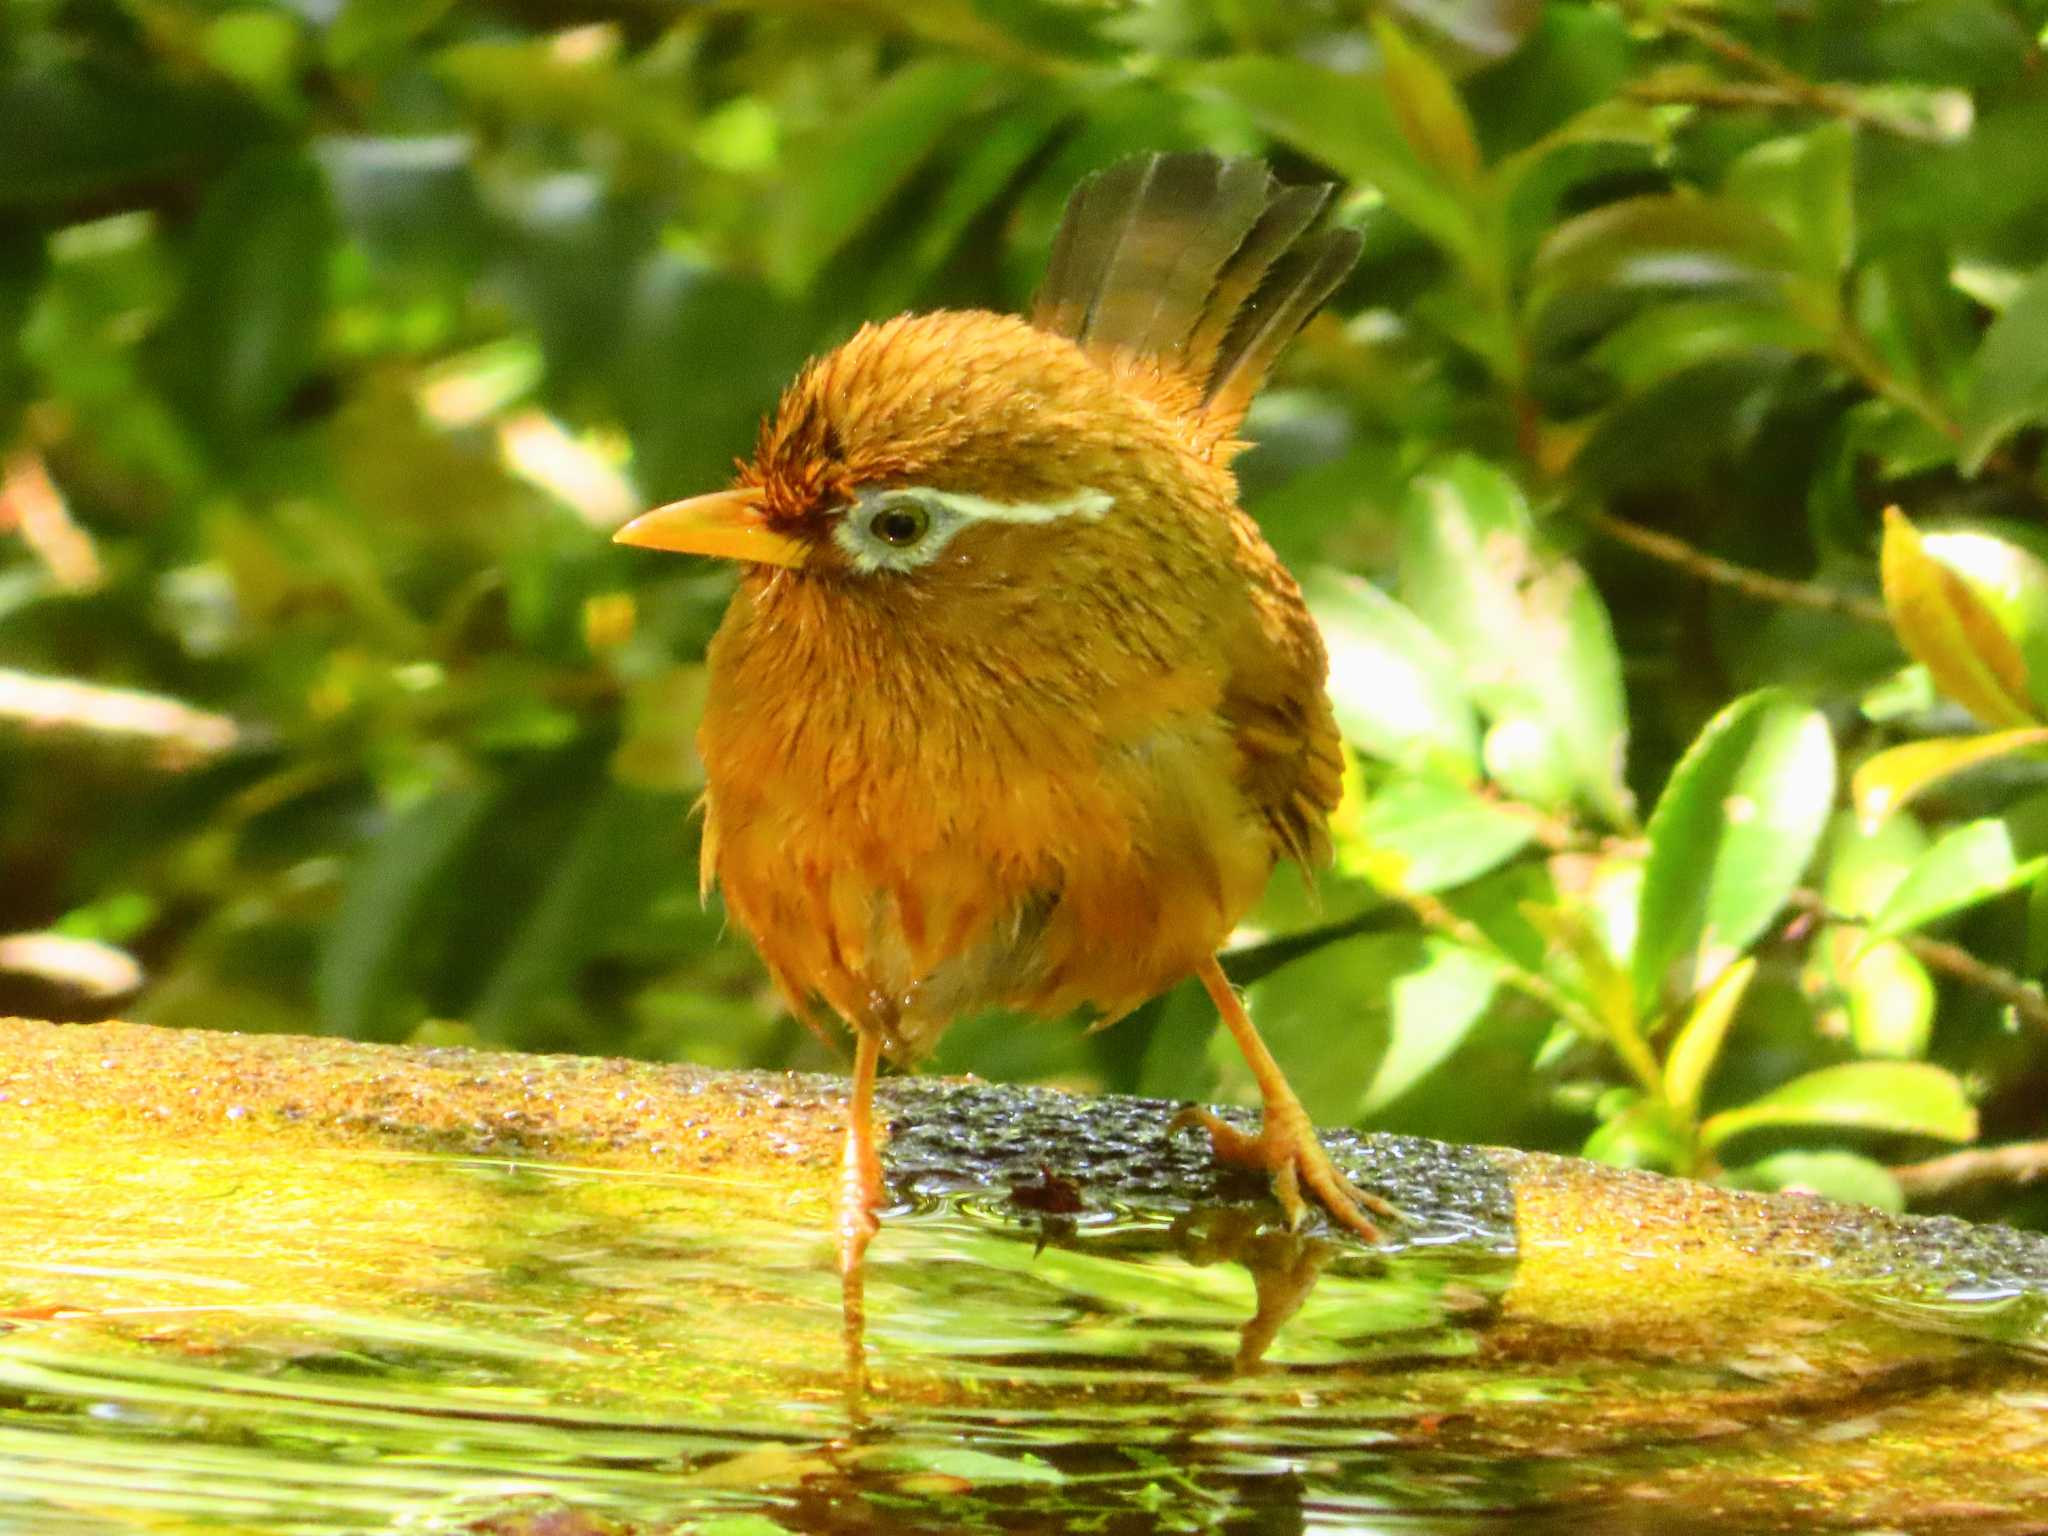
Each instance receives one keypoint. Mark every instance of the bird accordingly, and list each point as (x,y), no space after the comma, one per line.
(1014,707)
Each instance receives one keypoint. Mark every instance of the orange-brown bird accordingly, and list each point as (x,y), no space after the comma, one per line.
(1014,707)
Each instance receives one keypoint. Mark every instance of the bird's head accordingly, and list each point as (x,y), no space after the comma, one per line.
(969,447)
(961,445)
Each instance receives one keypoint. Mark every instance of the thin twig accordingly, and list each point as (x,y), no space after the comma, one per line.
(31,504)
(2019,1162)
(2019,994)
(1753,583)
(2016,992)
(1830,100)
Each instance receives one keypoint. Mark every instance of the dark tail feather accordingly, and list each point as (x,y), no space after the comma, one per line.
(1204,263)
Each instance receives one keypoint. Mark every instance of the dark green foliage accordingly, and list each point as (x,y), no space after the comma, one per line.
(1696,812)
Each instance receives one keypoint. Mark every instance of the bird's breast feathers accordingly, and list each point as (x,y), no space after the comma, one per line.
(911,843)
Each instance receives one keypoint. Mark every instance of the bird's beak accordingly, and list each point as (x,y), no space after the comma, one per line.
(726,524)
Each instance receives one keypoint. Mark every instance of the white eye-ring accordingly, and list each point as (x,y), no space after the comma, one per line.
(904,527)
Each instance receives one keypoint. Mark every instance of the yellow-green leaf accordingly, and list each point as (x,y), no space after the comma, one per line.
(1426,106)
(1906,1098)
(1698,1044)
(1894,776)
(1950,632)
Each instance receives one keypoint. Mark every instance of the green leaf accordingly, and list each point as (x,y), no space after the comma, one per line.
(1804,183)
(1891,1002)
(1698,1042)
(1669,338)
(1667,244)
(1645,1135)
(1844,1176)
(1887,781)
(364,29)
(872,154)
(585,894)
(362,957)
(1730,837)
(1947,628)
(1416,833)
(1426,106)
(1865,861)
(2009,381)
(1905,1098)
(1972,863)
(246,323)
(1432,1009)
(85,128)
(1393,684)
(1530,633)
(1402,1001)
(1348,123)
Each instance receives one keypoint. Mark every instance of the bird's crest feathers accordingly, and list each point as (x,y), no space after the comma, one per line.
(1203,267)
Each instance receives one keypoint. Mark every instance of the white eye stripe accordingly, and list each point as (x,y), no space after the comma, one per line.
(946,513)
(1089,505)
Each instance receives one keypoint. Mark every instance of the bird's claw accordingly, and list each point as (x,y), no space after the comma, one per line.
(1288,1150)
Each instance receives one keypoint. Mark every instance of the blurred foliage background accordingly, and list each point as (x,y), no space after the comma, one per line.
(1697,816)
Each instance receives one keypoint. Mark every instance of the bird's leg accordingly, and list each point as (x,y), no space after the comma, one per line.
(860,1171)
(860,1195)
(1286,1146)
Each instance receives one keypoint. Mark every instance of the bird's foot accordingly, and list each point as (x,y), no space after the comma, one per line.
(1287,1149)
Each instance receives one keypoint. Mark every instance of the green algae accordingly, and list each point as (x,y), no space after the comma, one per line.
(275,1285)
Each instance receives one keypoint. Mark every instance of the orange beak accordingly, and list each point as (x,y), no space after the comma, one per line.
(726,524)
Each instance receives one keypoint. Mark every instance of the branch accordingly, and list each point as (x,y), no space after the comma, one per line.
(2021,995)
(1752,583)
(1790,88)
(2019,1162)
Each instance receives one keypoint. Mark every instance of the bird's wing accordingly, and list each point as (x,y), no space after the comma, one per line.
(1202,266)
(1291,766)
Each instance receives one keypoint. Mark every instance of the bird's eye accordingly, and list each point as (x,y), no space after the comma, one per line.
(901,525)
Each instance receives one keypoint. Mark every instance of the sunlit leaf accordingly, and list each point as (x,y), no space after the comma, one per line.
(1421,833)
(1889,780)
(1891,1001)
(1393,683)
(1698,1042)
(1969,864)
(1907,1098)
(2005,566)
(1950,631)
(2009,384)
(1732,833)
(1530,633)
(1865,861)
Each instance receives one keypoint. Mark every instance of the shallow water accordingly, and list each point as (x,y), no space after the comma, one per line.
(353,1341)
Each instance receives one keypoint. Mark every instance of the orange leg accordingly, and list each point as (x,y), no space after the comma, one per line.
(1286,1146)
(860,1173)
(860,1195)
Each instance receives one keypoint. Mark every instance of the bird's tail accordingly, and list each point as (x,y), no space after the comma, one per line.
(1208,266)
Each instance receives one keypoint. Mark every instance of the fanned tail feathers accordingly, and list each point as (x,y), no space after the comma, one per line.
(1206,266)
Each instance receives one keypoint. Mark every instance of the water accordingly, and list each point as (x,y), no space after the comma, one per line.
(267,1335)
